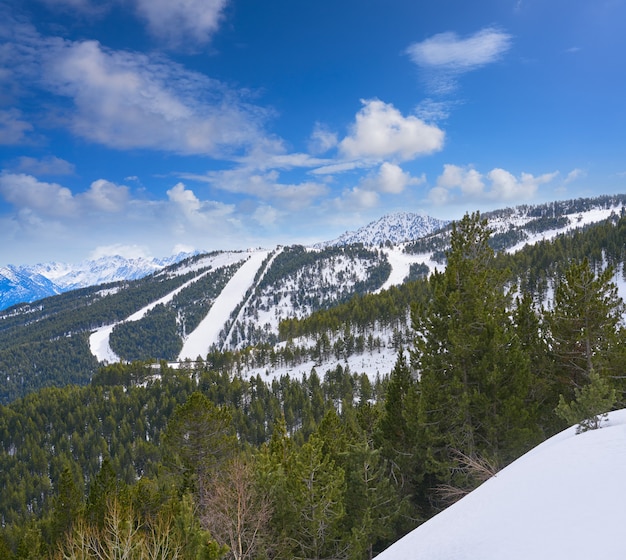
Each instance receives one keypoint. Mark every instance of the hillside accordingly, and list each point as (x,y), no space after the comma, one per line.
(563,499)
(205,304)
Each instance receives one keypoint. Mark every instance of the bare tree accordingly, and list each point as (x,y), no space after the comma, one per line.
(236,512)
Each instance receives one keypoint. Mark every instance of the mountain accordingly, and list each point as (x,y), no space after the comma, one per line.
(390,229)
(282,311)
(563,499)
(25,284)
(18,284)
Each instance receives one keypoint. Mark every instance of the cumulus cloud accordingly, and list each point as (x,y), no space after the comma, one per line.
(390,179)
(380,132)
(446,55)
(26,193)
(106,196)
(498,185)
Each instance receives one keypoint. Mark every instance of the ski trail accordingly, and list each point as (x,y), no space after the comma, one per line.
(207,333)
(99,340)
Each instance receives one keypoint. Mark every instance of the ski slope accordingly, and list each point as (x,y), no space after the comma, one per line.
(207,333)
(99,339)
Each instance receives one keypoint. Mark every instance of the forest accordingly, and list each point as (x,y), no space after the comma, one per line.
(202,462)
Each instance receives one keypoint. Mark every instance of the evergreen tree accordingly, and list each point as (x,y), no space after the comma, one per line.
(591,405)
(474,378)
(198,438)
(585,326)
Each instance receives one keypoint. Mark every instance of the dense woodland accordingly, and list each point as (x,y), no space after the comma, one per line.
(203,462)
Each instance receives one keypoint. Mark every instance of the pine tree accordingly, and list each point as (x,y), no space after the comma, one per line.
(474,377)
(585,326)
(590,406)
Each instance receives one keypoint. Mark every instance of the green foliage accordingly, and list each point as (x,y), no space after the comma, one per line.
(475,381)
(590,406)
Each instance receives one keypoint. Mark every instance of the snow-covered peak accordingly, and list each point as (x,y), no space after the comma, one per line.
(563,499)
(393,228)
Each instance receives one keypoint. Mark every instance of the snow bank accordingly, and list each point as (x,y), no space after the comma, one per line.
(564,499)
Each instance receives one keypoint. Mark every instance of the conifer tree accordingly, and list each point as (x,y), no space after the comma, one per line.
(474,378)
(585,326)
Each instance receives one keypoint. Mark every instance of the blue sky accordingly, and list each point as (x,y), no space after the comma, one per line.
(145,127)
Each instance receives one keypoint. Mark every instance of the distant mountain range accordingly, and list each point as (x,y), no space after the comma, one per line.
(25,284)
(513,228)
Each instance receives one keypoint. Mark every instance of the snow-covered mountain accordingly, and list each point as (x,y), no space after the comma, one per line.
(563,499)
(19,284)
(393,228)
(25,284)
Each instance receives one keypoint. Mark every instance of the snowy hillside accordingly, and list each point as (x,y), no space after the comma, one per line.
(563,499)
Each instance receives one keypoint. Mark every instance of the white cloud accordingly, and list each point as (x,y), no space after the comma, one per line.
(184,198)
(468,180)
(356,198)
(505,186)
(322,139)
(26,193)
(449,52)
(499,185)
(445,56)
(127,100)
(126,251)
(266,216)
(106,196)
(573,175)
(179,22)
(380,131)
(264,186)
(390,179)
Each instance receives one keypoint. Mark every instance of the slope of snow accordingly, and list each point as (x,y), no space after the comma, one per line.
(99,339)
(401,263)
(207,333)
(563,499)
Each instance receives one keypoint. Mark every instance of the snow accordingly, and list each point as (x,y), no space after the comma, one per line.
(577,220)
(401,264)
(207,333)
(563,499)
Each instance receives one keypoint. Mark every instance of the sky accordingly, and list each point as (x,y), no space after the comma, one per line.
(149,127)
